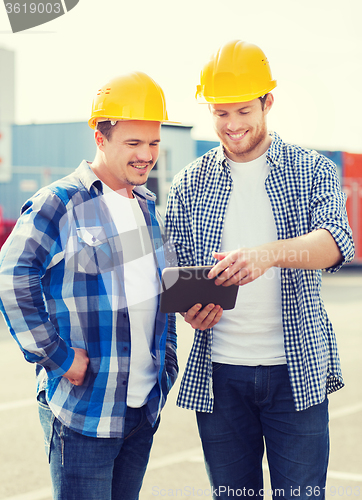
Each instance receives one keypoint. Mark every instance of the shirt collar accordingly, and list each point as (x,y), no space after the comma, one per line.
(221,159)
(275,149)
(273,153)
(143,192)
(88,178)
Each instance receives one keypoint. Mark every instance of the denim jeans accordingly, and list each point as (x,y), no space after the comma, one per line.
(254,407)
(87,468)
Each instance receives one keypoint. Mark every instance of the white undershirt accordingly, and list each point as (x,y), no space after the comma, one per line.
(251,334)
(142,287)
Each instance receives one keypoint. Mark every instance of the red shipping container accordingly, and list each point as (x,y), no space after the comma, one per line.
(352,165)
(7,227)
(353,189)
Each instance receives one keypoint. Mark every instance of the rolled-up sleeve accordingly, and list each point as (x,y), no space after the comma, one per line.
(328,210)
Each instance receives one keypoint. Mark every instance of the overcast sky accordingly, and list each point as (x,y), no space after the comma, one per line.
(314,48)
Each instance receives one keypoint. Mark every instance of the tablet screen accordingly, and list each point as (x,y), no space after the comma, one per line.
(183,287)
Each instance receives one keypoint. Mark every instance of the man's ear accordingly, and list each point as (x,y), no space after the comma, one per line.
(269,101)
(99,138)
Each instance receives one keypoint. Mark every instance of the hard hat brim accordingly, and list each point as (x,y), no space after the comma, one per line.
(207,99)
(93,121)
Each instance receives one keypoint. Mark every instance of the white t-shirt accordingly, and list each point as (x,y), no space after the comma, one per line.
(142,287)
(251,334)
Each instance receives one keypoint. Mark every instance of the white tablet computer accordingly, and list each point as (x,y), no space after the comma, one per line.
(183,287)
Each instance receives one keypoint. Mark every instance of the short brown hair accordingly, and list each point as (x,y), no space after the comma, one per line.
(262,100)
(106,129)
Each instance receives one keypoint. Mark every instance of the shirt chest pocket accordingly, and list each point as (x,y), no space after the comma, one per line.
(90,252)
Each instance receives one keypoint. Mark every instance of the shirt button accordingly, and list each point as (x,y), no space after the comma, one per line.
(228,188)
(220,219)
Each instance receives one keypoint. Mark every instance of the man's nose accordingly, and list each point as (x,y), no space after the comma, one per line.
(234,123)
(144,153)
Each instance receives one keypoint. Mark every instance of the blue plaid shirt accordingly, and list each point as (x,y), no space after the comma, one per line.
(55,270)
(305,195)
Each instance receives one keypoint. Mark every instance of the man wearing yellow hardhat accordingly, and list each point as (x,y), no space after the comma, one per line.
(80,282)
(271,216)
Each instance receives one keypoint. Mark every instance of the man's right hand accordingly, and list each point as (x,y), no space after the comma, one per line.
(204,318)
(77,371)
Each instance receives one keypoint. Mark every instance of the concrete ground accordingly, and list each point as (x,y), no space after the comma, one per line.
(176,466)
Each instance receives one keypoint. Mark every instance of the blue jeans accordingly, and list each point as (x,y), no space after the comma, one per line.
(86,468)
(253,406)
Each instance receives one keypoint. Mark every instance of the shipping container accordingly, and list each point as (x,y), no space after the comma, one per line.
(352,165)
(352,186)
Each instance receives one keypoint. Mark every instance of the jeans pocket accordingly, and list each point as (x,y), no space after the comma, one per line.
(47,421)
(216,367)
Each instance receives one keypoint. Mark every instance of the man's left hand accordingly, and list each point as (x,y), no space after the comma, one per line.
(203,318)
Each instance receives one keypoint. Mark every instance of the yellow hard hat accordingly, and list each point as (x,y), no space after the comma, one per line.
(237,72)
(134,96)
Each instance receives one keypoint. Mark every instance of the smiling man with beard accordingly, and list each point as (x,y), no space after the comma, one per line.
(268,216)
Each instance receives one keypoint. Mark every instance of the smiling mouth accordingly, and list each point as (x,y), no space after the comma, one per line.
(237,137)
(142,166)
